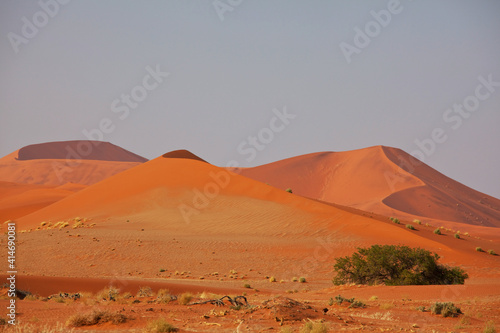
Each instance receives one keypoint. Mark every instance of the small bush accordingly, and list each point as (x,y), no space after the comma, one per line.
(490,327)
(185,298)
(478,249)
(357,304)
(457,236)
(330,301)
(421,308)
(95,317)
(161,325)
(108,294)
(314,327)
(163,296)
(246,285)
(162,270)
(493,253)
(145,292)
(302,280)
(373,298)
(409,226)
(272,279)
(289,190)
(417,221)
(295,279)
(386,306)
(445,309)
(437,231)
(396,221)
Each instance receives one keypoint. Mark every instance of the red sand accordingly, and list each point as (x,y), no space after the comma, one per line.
(382,180)
(181,223)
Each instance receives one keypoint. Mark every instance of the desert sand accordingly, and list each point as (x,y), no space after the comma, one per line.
(180,223)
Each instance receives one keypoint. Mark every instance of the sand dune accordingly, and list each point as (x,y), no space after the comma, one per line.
(383,180)
(57,163)
(18,200)
(193,216)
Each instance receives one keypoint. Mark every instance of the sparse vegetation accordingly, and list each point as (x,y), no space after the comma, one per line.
(409,226)
(145,292)
(386,306)
(395,220)
(289,190)
(162,270)
(437,231)
(185,298)
(295,279)
(272,279)
(493,253)
(373,298)
(421,308)
(246,285)
(302,280)
(457,236)
(445,309)
(108,294)
(314,327)
(163,296)
(490,327)
(95,317)
(478,249)
(395,265)
(417,221)
(160,325)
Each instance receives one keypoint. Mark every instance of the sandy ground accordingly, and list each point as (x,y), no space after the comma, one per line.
(179,223)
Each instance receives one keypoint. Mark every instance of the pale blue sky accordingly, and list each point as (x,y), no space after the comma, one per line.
(227,76)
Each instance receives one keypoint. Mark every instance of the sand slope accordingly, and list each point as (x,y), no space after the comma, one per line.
(383,180)
(193,216)
(57,163)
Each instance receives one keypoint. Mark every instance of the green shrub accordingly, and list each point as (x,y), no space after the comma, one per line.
(421,308)
(289,190)
(478,249)
(409,226)
(302,280)
(457,236)
(395,265)
(492,252)
(246,285)
(437,231)
(417,221)
(396,221)
(357,304)
(445,309)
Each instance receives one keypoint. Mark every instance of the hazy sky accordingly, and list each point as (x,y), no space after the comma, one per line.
(341,75)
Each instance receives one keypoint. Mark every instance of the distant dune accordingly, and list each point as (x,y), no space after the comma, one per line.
(383,180)
(58,163)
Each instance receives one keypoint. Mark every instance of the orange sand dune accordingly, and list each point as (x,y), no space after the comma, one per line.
(383,180)
(17,200)
(189,215)
(57,163)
